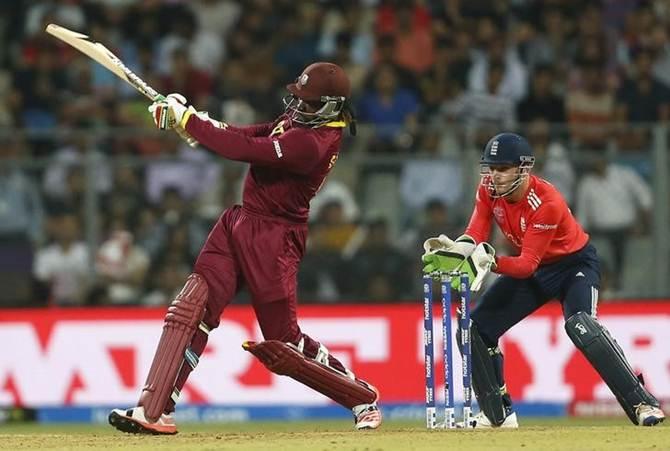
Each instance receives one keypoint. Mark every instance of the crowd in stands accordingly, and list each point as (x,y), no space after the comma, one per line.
(81,163)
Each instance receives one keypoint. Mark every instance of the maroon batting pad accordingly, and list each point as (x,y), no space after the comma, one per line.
(181,322)
(284,359)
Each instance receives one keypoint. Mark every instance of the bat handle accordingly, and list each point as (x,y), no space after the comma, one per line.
(180,131)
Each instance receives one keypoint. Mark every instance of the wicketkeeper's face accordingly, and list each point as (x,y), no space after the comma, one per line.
(503,176)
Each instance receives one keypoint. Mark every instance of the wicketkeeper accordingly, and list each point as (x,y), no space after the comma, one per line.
(258,244)
(555,261)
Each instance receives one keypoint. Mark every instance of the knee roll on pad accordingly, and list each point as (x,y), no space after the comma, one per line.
(484,380)
(607,357)
(183,318)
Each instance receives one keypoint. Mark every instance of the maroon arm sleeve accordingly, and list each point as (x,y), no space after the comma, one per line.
(295,150)
(541,232)
(251,130)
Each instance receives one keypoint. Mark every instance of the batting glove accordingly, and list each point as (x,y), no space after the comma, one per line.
(168,112)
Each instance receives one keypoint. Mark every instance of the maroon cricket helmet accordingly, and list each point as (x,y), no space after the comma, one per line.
(319,80)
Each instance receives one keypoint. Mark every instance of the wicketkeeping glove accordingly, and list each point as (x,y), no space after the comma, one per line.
(479,264)
(442,242)
(443,259)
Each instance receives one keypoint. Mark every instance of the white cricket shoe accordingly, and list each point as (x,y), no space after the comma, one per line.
(367,416)
(133,421)
(648,415)
(480,421)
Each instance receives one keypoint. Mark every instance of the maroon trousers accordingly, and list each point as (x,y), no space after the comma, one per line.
(263,254)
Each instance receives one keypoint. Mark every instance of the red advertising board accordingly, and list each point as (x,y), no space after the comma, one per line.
(101,356)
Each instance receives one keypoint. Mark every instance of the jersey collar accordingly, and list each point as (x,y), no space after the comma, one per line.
(335,124)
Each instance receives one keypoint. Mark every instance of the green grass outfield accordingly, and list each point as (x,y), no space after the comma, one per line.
(535,434)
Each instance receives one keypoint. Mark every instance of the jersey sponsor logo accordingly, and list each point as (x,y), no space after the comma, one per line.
(494,148)
(512,239)
(499,212)
(545,226)
(333,160)
(279,129)
(523,224)
(533,200)
(277,148)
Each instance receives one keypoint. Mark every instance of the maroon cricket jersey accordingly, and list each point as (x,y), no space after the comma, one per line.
(288,163)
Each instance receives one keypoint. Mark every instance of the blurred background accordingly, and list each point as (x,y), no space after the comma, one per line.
(97,208)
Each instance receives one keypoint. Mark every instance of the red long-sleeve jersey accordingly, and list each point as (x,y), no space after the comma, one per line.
(288,164)
(540,226)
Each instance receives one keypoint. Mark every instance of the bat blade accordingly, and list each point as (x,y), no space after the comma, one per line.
(102,55)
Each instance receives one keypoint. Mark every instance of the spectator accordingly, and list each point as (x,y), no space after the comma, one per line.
(660,45)
(172,220)
(484,111)
(431,76)
(377,268)
(21,221)
(549,47)
(66,13)
(122,266)
(64,266)
(202,49)
(414,40)
(343,57)
(126,201)
(300,39)
(320,273)
(514,77)
(216,16)
(640,101)
(613,203)
(391,109)
(8,99)
(332,234)
(224,191)
(542,102)
(187,170)
(74,197)
(186,79)
(39,87)
(595,39)
(430,176)
(333,231)
(385,55)
(435,218)
(21,210)
(75,153)
(446,78)
(335,191)
(165,284)
(552,161)
(233,90)
(357,23)
(590,109)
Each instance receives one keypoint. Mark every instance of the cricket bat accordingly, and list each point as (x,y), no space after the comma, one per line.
(104,56)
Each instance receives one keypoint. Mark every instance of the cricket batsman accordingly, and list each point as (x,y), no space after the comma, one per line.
(555,261)
(258,244)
